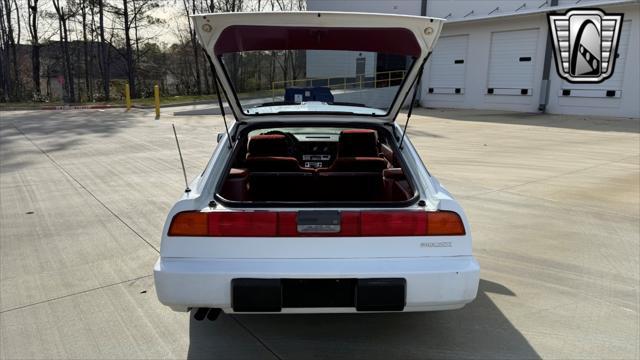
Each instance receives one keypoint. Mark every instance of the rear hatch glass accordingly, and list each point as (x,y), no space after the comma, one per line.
(314,81)
(315,69)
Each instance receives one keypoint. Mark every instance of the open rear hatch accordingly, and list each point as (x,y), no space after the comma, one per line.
(347,65)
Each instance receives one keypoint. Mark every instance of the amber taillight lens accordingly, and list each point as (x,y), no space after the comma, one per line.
(441,223)
(190,223)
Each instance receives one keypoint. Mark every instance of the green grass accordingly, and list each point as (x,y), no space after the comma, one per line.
(178,99)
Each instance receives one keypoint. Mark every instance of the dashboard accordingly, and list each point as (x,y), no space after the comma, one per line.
(316,150)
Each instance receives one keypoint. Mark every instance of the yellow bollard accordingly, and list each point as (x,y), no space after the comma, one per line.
(156,94)
(127,96)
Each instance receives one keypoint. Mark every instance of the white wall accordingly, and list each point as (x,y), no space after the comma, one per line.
(477,72)
(572,2)
(478,53)
(436,8)
(377,98)
(457,9)
(477,66)
(334,64)
(404,7)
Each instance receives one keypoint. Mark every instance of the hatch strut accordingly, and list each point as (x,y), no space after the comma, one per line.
(215,81)
(413,100)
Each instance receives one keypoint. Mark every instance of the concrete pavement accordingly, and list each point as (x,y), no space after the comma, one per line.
(554,204)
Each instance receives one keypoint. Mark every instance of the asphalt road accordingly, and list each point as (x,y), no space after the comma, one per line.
(554,204)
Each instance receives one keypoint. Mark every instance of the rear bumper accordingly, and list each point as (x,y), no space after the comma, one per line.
(433,283)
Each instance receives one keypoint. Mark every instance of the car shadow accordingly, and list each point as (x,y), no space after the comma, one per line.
(54,131)
(573,122)
(479,330)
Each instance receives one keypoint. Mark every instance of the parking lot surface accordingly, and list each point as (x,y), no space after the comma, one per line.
(553,201)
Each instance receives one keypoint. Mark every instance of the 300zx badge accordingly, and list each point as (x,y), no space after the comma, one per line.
(436,244)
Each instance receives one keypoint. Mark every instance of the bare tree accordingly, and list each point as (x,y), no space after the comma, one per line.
(16,64)
(88,63)
(63,18)
(131,66)
(12,81)
(32,24)
(194,43)
(87,32)
(104,52)
(5,76)
(131,17)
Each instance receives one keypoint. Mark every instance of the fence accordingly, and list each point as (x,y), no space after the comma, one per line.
(379,80)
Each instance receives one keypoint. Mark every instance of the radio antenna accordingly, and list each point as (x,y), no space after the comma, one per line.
(184,171)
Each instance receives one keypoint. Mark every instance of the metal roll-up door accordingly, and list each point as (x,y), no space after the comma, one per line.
(448,65)
(512,62)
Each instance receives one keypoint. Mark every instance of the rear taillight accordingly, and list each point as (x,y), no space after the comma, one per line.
(444,223)
(283,224)
(396,223)
(190,223)
(245,223)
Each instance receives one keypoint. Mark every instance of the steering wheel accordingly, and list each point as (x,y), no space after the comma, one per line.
(292,142)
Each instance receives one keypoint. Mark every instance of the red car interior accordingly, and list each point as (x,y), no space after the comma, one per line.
(271,170)
(359,150)
(270,153)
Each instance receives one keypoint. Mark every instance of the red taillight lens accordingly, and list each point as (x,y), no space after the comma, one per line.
(350,223)
(282,224)
(249,223)
(287,224)
(398,223)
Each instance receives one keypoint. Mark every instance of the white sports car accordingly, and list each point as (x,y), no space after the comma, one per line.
(314,200)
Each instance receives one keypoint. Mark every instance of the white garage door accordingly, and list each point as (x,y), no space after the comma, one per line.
(512,62)
(448,65)
(610,88)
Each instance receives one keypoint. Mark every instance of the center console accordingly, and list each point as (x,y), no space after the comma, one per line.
(316,161)
(316,155)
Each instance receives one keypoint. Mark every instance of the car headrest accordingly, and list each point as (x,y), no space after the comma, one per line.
(359,164)
(268,145)
(358,142)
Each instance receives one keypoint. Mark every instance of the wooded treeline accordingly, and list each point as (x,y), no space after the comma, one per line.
(85,50)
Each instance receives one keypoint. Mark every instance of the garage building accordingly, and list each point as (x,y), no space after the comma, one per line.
(496,54)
